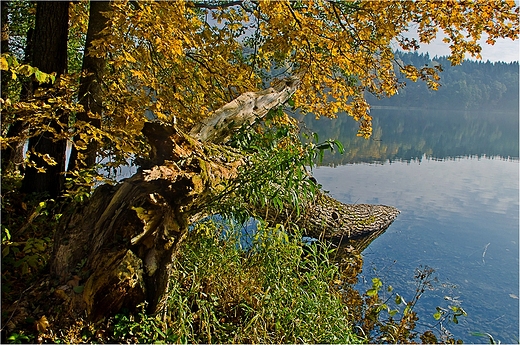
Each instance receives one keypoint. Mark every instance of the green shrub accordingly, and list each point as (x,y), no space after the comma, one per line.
(269,293)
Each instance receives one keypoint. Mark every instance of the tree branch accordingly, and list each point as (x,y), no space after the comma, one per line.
(219,5)
(244,110)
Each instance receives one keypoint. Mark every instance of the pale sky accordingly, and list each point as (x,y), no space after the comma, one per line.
(505,50)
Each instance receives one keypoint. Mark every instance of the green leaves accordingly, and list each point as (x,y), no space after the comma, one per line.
(399,299)
(452,313)
(437,315)
(9,63)
(274,177)
(376,283)
(372,292)
(376,286)
(316,149)
(78,289)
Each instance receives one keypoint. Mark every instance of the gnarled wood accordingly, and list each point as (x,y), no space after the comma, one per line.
(130,233)
(245,109)
(328,218)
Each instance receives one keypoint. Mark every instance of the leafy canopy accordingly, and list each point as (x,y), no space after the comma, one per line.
(183,60)
(189,58)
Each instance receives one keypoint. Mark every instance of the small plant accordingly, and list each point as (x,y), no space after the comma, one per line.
(140,328)
(29,252)
(400,326)
(19,338)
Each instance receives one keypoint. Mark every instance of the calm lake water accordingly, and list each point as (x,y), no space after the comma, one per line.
(455,178)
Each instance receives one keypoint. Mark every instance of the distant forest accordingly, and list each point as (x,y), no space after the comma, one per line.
(470,86)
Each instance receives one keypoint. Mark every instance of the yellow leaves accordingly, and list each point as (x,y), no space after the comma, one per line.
(177,48)
(166,60)
(129,58)
(9,63)
(411,72)
(48,159)
(4,66)
(137,73)
(491,41)
(42,324)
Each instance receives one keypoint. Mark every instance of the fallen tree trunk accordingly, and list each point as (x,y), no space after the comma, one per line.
(122,242)
(128,234)
(330,219)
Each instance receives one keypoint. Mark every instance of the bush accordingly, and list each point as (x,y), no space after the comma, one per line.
(269,293)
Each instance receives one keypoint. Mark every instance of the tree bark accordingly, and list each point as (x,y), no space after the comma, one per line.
(90,96)
(50,55)
(129,234)
(4,46)
(330,219)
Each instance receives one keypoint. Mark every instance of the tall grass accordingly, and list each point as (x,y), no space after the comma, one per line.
(272,292)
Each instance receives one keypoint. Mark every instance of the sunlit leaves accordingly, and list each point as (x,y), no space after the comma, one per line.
(9,63)
(186,59)
(182,60)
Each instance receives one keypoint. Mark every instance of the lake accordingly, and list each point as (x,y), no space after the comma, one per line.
(455,178)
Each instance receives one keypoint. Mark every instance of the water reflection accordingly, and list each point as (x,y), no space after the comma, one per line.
(459,217)
(455,178)
(411,135)
(430,186)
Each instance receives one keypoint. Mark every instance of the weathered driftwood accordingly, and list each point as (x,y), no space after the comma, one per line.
(129,234)
(328,218)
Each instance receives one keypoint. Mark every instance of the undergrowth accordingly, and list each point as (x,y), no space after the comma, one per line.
(274,289)
(270,293)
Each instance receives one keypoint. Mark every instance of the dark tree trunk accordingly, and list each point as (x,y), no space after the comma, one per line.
(7,152)
(4,45)
(50,55)
(90,86)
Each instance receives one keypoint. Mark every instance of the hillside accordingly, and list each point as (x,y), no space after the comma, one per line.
(470,86)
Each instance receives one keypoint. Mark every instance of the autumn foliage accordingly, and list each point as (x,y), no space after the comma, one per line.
(178,62)
(183,60)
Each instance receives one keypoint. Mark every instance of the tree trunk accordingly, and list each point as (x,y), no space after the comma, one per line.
(90,96)
(50,55)
(4,46)
(128,234)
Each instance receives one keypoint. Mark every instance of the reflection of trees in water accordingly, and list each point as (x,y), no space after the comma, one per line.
(406,135)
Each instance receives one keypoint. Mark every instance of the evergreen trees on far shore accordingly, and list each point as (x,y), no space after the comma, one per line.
(471,85)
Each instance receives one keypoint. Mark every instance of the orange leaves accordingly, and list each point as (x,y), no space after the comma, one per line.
(463,23)
(173,58)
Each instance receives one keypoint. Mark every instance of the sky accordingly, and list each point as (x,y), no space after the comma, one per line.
(504,50)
